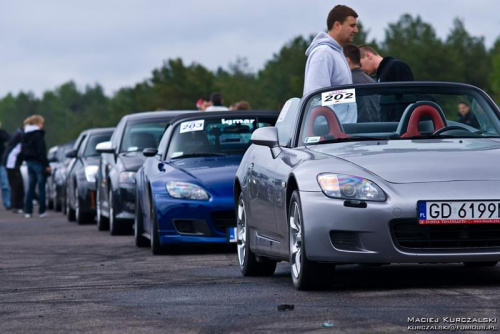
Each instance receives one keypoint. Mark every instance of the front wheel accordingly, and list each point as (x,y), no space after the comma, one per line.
(306,275)
(140,240)
(249,265)
(71,211)
(102,222)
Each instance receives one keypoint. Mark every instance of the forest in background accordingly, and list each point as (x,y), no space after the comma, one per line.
(67,110)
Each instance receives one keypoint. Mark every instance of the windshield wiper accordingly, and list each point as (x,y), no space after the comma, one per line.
(194,155)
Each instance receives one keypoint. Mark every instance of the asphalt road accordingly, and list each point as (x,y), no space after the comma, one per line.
(58,277)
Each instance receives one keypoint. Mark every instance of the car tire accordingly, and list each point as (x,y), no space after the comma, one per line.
(114,227)
(81,217)
(250,265)
(140,240)
(480,264)
(306,275)
(156,247)
(57,201)
(102,222)
(71,211)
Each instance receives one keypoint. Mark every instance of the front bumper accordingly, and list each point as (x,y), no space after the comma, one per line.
(388,232)
(190,221)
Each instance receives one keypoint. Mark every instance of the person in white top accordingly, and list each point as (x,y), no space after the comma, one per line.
(216,99)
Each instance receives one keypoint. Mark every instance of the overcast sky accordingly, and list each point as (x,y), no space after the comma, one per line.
(117,43)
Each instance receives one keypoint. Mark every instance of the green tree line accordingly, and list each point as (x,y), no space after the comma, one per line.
(177,86)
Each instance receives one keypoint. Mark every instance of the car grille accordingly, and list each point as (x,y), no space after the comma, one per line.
(223,220)
(408,234)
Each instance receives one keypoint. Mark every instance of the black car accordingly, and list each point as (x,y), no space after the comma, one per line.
(54,185)
(121,157)
(81,179)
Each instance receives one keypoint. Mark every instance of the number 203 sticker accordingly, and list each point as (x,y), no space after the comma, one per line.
(192,126)
(338,97)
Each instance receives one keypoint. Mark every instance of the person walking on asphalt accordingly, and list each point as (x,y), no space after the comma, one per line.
(34,152)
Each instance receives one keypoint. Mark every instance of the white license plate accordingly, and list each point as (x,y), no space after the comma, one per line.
(459,212)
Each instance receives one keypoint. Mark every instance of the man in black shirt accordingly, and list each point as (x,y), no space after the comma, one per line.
(386,69)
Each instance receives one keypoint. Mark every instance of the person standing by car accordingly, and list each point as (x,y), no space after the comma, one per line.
(368,110)
(34,152)
(12,159)
(466,116)
(326,65)
(385,68)
(216,103)
(4,137)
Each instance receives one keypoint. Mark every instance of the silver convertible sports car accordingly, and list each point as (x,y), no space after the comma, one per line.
(415,180)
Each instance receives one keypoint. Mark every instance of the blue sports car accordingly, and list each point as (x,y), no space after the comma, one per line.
(185,186)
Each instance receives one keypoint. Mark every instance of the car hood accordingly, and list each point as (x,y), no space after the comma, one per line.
(424,160)
(215,173)
(132,160)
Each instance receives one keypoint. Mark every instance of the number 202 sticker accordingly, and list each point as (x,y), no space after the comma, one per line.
(192,126)
(338,97)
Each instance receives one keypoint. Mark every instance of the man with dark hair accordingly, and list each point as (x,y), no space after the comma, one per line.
(326,65)
(386,68)
(466,116)
(216,100)
(368,106)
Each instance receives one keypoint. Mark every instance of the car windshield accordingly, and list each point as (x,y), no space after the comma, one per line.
(138,136)
(398,112)
(214,136)
(90,150)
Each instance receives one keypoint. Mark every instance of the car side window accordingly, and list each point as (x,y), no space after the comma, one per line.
(286,121)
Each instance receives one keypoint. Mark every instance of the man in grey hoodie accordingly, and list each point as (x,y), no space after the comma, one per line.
(326,65)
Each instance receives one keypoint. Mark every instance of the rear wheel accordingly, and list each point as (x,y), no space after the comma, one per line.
(306,275)
(102,222)
(249,264)
(140,240)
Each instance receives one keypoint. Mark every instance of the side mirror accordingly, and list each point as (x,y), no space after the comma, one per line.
(149,152)
(267,136)
(71,154)
(105,147)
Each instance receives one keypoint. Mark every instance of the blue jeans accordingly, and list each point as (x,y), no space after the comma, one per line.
(36,174)
(5,187)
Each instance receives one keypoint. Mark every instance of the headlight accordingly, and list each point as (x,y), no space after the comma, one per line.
(127,177)
(90,173)
(186,190)
(350,187)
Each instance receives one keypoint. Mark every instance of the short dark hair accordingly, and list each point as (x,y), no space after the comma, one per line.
(464,103)
(339,13)
(365,47)
(352,52)
(216,99)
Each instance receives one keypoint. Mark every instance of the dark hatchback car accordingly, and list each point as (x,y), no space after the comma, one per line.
(120,159)
(81,179)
